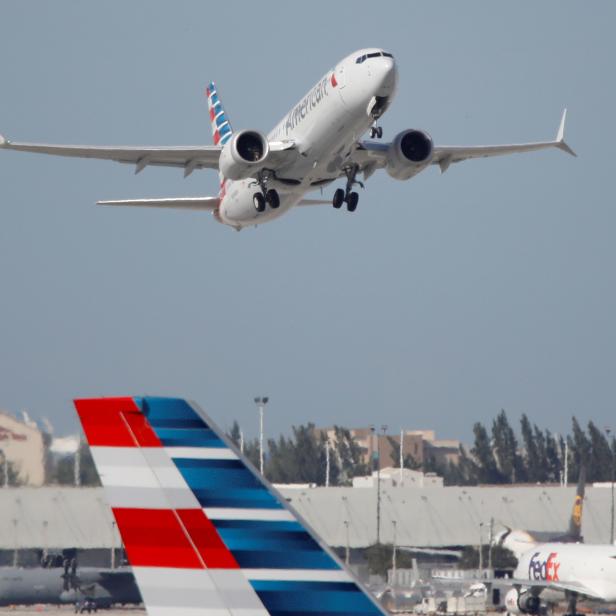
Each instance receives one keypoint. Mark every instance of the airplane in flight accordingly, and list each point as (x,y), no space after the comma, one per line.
(317,143)
(204,532)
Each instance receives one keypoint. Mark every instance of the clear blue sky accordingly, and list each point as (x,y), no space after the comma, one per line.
(439,302)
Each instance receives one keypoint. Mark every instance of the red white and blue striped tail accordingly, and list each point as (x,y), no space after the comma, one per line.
(221,129)
(204,533)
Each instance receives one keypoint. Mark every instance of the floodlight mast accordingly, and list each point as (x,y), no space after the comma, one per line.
(613,450)
(378,485)
(261,401)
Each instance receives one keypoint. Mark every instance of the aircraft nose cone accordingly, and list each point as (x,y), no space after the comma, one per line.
(388,76)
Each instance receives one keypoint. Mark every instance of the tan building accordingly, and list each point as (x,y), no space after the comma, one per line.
(22,444)
(421,445)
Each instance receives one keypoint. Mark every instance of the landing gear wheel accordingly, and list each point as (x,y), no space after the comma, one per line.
(338,199)
(352,201)
(376,132)
(272,198)
(258,201)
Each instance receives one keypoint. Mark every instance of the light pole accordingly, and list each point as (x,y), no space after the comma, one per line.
(401,457)
(347,549)
(327,464)
(480,549)
(609,431)
(5,468)
(393,555)
(77,464)
(378,486)
(261,401)
(491,539)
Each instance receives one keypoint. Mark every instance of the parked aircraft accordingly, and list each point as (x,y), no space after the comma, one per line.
(551,572)
(88,585)
(315,144)
(204,532)
(519,541)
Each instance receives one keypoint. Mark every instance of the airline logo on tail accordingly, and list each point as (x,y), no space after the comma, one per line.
(204,533)
(221,129)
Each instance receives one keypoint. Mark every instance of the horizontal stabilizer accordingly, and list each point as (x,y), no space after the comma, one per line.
(182,203)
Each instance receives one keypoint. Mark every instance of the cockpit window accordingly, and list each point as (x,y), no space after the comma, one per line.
(375,54)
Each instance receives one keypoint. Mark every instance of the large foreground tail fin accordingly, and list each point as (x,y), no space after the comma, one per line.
(205,534)
(221,129)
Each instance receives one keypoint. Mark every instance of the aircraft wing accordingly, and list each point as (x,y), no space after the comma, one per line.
(538,585)
(188,157)
(182,203)
(370,155)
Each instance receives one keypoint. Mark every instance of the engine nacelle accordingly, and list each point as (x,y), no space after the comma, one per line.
(243,154)
(409,153)
(524,602)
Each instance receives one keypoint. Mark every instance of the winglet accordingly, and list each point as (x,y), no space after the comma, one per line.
(3,140)
(560,136)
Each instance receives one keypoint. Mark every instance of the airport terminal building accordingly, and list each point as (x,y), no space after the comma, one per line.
(54,518)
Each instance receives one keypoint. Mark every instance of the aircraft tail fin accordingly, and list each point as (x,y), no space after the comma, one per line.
(221,128)
(575,521)
(204,532)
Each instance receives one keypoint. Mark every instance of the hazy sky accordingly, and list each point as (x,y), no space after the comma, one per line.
(439,302)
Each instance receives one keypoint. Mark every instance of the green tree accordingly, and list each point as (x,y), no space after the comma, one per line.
(349,456)
(502,558)
(487,470)
(600,455)
(409,461)
(464,473)
(301,459)
(552,457)
(530,449)
(505,450)
(10,470)
(579,450)
(379,558)
(235,434)
(64,472)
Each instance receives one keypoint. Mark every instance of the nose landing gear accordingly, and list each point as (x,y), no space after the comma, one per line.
(348,195)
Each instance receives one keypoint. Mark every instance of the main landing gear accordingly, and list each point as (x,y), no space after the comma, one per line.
(376,132)
(572,600)
(347,195)
(266,196)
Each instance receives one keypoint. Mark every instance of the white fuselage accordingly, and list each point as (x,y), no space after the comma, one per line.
(323,125)
(594,566)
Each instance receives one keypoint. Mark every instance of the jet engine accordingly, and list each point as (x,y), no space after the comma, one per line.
(523,602)
(243,154)
(408,154)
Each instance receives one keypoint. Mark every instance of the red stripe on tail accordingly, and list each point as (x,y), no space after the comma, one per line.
(155,538)
(213,551)
(103,423)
